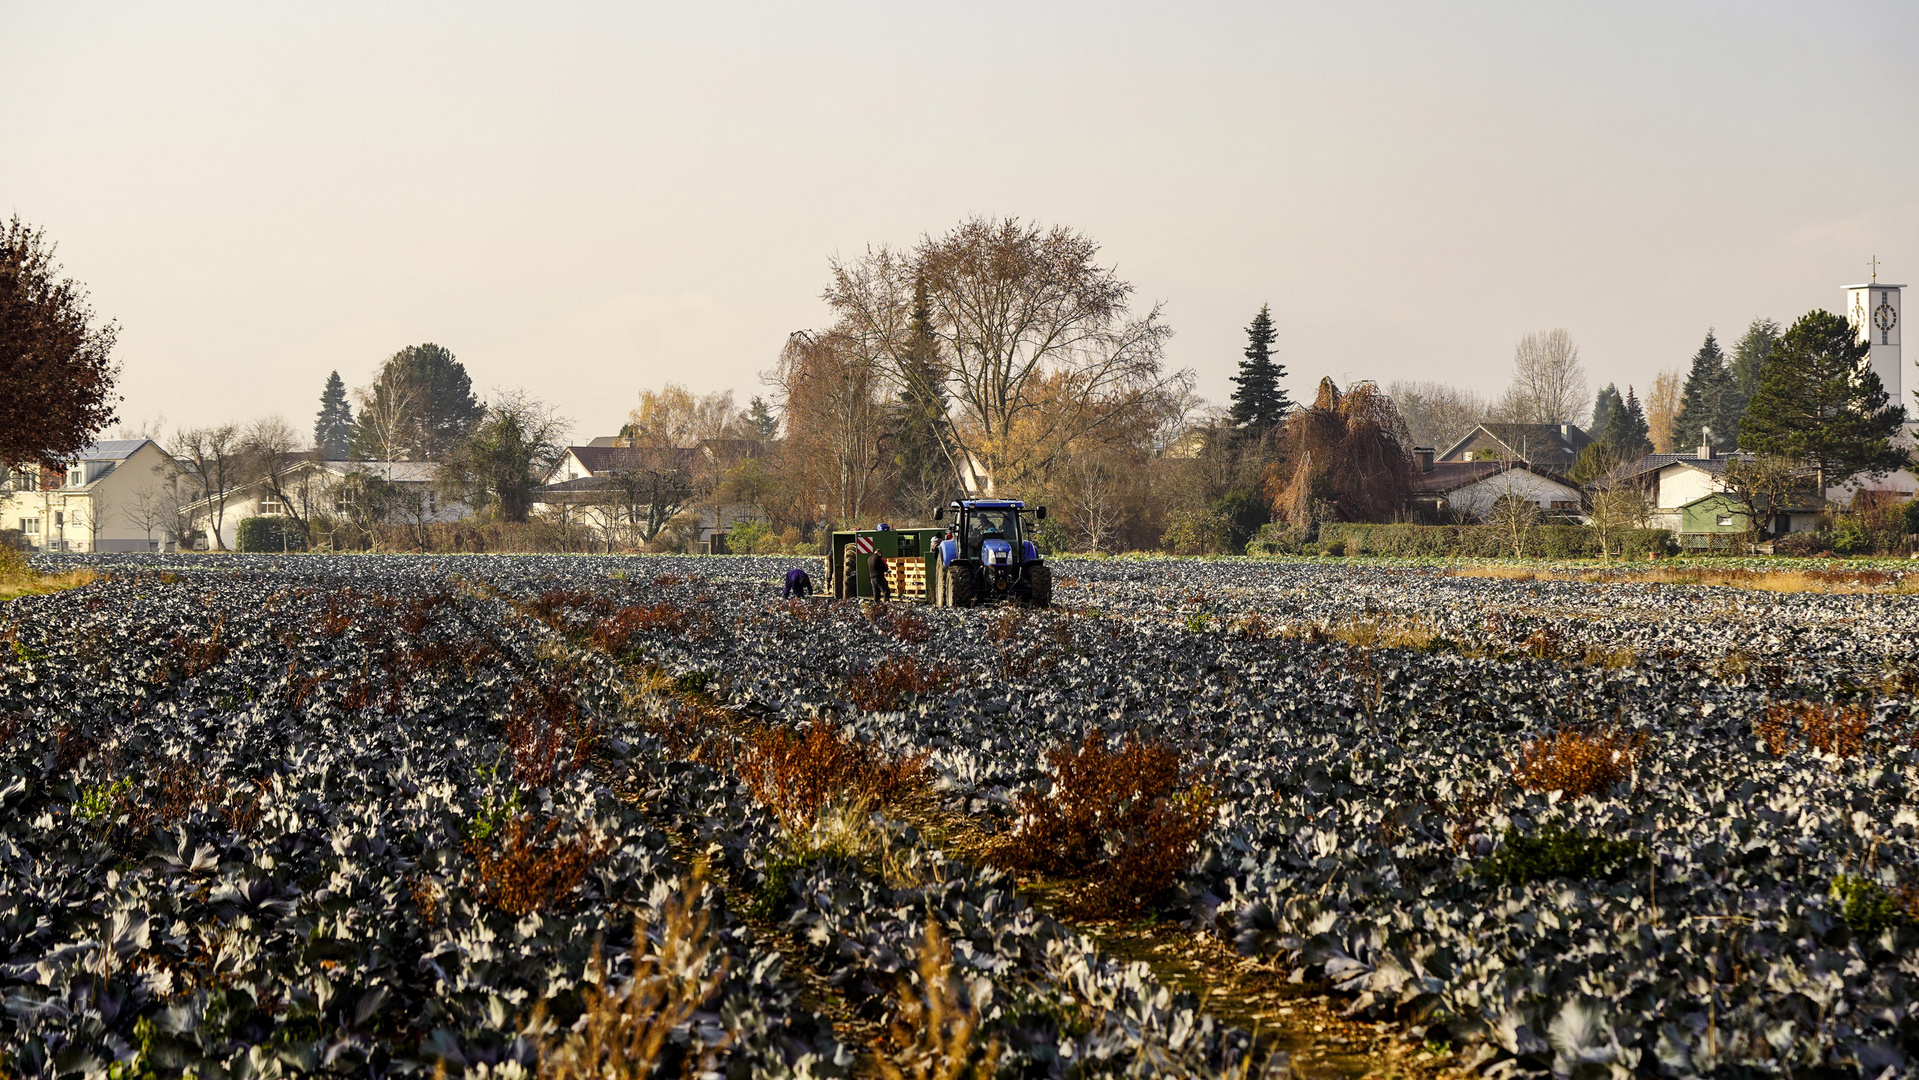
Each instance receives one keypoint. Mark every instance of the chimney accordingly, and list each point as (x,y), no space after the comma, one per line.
(1705,452)
(1566,433)
(1423,457)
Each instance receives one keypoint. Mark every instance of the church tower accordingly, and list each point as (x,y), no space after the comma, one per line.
(1873,310)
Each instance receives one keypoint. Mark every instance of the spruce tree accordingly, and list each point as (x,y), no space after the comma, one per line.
(1703,402)
(335,424)
(1260,402)
(1603,405)
(920,414)
(1818,402)
(1749,356)
(1626,430)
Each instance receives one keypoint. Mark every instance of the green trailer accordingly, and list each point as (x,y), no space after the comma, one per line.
(912,563)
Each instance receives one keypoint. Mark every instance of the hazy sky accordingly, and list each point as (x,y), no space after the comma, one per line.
(583,200)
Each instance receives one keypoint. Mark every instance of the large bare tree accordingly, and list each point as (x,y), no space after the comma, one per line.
(1549,384)
(836,423)
(1436,414)
(1036,344)
(214,460)
(274,452)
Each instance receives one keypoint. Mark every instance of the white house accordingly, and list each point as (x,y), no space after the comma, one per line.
(115,495)
(1677,481)
(1467,490)
(323,489)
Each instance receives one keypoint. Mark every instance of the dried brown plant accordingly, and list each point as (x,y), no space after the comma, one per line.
(1577,763)
(1829,729)
(626,1032)
(532,868)
(798,775)
(1128,821)
(547,735)
(934,1030)
(884,686)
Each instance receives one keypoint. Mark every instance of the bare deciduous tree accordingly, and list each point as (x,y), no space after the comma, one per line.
(387,419)
(273,453)
(1436,414)
(213,459)
(1514,515)
(1549,385)
(1662,408)
(836,423)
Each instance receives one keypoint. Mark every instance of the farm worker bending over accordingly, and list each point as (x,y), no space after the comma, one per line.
(797,584)
(877,570)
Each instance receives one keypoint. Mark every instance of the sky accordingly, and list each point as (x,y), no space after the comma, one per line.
(584,200)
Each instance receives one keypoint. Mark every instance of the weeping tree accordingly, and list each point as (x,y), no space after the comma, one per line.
(1348,457)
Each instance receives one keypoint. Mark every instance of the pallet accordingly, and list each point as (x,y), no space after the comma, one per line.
(906,577)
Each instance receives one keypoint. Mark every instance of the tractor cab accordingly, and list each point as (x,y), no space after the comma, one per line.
(987,555)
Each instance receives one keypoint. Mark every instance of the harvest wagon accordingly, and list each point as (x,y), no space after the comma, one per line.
(983,557)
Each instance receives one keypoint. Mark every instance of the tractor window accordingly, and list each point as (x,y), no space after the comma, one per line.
(1001,524)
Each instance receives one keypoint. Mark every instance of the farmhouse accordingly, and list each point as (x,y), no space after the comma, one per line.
(1554,446)
(113,496)
(1467,490)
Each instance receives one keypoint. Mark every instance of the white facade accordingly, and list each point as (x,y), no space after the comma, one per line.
(1552,496)
(320,488)
(1873,310)
(115,496)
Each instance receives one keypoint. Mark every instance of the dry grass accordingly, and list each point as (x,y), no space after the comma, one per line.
(1381,631)
(1787,581)
(798,776)
(1127,821)
(1827,729)
(934,1027)
(626,1032)
(18,579)
(1578,763)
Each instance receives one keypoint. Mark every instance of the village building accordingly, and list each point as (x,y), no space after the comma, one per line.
(1552,446)
(364,492)
(1688,495)
(613,486)
(117,495)
(1466,491)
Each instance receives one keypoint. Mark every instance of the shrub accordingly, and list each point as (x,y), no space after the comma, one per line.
(1553,852)
(1578,764)
(1869,907)
(13,540)
(531,869)
(1851,537)
(1559,541)
(888,684)
(257,534)
(748,537)
(1909,517)
(1803,544)
(1127,821)
(13,566)
(1336,547)
(797,776)
(1828,729)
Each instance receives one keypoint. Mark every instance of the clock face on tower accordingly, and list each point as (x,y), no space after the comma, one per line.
(1885,318)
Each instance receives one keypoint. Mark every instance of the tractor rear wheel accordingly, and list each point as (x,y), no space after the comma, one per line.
(1039,586)
(849,583)
(958,586)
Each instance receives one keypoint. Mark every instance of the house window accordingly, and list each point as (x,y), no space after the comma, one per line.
(30,526)
(270,507)
(59,519)
(1725,521)
(76,476)
(432,501)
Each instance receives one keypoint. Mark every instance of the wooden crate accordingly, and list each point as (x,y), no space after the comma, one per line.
(907,576)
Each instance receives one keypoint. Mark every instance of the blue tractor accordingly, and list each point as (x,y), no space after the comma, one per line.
(986,556)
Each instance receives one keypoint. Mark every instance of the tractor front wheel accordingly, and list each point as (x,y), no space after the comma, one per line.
(849,583)
(958,586)
(1039,586)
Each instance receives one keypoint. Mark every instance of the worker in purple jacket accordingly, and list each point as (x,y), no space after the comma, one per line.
(798,584)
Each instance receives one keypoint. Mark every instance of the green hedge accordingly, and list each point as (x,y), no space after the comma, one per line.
(1471,541)
(269,534)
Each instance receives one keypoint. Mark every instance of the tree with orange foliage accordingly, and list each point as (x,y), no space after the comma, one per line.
(1347,457)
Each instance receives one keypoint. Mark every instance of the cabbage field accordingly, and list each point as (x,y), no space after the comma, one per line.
(400,815)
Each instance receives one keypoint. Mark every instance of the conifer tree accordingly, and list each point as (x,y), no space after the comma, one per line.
(1603,405)
(1260,404)
(1626,429)
(919,418)
(334,427)
(420,408)
(1819,403)
(1749,356)
(1703,402)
